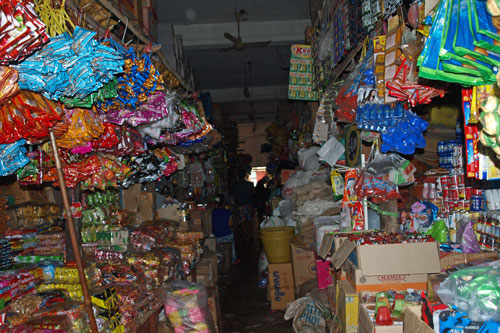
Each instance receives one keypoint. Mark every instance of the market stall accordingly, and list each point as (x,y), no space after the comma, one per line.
(393,200)
(88,123)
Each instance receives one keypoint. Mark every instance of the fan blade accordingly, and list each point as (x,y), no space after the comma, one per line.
(257,44)
(226,49)
(227,35)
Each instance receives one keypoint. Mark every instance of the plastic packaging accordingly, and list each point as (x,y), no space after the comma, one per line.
(22,32)
(475,291)
(70,66)
(186,306)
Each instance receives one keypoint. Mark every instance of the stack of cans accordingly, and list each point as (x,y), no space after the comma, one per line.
(450,154)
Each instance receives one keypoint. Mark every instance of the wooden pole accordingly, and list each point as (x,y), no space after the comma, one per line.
(389,223)
(72,234)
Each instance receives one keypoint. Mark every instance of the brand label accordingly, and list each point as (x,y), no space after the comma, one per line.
(277,286)
(387,278)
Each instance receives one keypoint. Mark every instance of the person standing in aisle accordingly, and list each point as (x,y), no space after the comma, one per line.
(243,192)
(262,192)
(222,223)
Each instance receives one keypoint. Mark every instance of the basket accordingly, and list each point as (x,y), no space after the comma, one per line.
(276,241)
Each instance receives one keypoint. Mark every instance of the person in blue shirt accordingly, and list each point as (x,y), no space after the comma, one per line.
(221,226)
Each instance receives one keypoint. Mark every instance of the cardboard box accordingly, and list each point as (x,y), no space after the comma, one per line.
(169,213)
(412,322)
(138,201)
(332,297)
(332,242)
(303,261)
(211,244)
(366,325)
(347,307)
(282,285)
(449,259)
(323,273)
(214,305)
(388,266)
(398,282)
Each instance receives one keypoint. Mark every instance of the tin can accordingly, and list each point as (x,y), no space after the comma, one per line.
(438,184)
(475,203)
(467,205)
(468,193)
(461,192)
(453,181)
(446,193)
(461,204)
(460,179)
(446,206)
(441,147)
(445,181)
(454,193)
(459,157)
(477,191)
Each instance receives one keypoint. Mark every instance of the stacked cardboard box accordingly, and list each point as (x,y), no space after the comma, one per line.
(388,266)
(281,285)
(303,261)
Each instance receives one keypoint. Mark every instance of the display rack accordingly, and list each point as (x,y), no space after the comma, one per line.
(136,31)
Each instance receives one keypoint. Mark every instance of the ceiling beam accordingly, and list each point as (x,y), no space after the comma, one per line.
(257,94)
(204,36)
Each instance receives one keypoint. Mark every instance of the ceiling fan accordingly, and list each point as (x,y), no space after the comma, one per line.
(237,41)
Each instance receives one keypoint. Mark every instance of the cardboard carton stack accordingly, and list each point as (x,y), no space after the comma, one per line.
(373,268)
(281,285)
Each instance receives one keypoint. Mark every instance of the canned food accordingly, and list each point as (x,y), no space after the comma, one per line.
(468,193)
(461,192)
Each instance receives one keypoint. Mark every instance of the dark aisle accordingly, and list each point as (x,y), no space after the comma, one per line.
(244,305)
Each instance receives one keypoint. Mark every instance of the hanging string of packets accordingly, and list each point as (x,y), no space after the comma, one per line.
(22,32)
(139,80)
(12,157)
(70,67)
(462,46)
(107,91)
(84,125)
(28,115)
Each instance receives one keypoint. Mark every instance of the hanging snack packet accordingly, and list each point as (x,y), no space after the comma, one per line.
(337,185)
(71,67)
(21,31)
(12,157)
(83,126)
(8,84)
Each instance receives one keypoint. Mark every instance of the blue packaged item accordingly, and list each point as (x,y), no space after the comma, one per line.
(70,66)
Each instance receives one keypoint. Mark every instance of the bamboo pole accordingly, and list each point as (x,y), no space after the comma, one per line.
(72,234)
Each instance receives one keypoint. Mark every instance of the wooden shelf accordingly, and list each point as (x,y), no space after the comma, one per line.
(136,31)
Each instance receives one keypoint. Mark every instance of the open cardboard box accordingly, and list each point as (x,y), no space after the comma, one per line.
(388,266)
(366,325)
(334,240)
(412,322)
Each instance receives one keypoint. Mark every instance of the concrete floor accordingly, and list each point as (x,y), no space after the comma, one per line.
(244,305)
